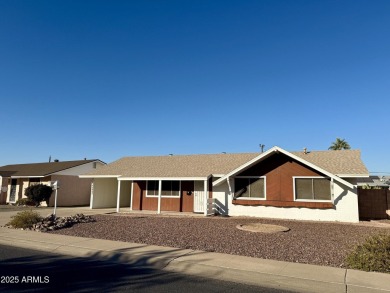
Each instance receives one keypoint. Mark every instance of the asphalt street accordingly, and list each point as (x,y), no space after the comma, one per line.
(26,270)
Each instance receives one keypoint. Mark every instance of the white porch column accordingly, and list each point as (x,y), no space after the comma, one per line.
(91,197)
(131,195)
(159,198)
(118,197)
(206,197)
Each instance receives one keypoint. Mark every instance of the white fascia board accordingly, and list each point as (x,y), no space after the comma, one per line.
(217,175)
(99,176)
(246,165)
(353,175)
(278,149)
(163,178)
(28,176)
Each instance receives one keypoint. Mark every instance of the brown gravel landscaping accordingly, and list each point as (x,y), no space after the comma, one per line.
(306,242)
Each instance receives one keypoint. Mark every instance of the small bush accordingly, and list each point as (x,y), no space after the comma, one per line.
(25,220)
(372,255)
(38,193)
(25,202)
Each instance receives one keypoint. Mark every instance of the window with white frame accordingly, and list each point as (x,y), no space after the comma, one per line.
(310,188)
(169,188)
(249,187)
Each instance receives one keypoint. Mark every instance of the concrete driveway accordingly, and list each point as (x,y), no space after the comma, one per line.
(7,211)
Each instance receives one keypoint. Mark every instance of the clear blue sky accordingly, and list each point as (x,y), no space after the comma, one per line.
(107,79)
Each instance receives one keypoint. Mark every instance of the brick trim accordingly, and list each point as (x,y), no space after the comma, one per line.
(292,204)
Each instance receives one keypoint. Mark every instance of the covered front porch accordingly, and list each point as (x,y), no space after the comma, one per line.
(188,195)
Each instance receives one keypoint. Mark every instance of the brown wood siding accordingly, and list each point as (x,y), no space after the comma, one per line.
(137,195)
(142,202)
(210,187)
(279,171)
(187,201)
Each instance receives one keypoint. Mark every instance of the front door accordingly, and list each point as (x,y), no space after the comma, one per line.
(12,195)
(199,196)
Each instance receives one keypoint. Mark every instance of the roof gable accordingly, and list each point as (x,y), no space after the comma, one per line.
(39,169)
(271,152)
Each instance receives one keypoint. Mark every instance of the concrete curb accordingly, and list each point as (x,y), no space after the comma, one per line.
(240,269)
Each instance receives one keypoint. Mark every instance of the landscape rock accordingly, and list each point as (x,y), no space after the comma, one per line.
(52,223)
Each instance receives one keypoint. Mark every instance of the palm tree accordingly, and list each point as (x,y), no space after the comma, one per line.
(339,144)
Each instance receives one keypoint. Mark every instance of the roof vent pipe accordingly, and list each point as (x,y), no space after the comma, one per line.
(262,147)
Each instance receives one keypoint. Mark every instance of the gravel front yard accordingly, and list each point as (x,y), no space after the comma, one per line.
(307,242)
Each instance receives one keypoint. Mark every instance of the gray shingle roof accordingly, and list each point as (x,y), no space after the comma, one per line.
(39,169)
(336,162)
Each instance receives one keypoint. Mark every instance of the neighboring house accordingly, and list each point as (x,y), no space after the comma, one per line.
(317,185)
(73,191)
(375,181)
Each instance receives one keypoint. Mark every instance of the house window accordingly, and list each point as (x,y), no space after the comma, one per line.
(34,181)
(169,188)
(313,189)
(249,187)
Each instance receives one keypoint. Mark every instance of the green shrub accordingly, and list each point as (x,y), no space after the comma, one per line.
(372,255)
(25,219)
(25,202)
(38,193)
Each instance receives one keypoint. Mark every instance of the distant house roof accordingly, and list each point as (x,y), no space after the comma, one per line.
(375,181)
(345,162)
(39,169)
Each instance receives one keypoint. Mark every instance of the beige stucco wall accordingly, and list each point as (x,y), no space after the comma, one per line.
(73,191)
(125,194)
(104,193)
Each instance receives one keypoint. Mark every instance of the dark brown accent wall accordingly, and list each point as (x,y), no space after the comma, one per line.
(137,195)
(279,171)
(184,203)
(210,187)
(187,201)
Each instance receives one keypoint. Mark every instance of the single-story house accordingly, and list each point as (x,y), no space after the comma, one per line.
(375,181)
(315,185)
(73,191)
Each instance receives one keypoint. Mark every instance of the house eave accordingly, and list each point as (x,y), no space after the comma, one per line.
(99,176)
(353,175)
(163,178)
(31,176)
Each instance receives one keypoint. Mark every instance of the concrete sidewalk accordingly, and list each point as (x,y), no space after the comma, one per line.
(240,269)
